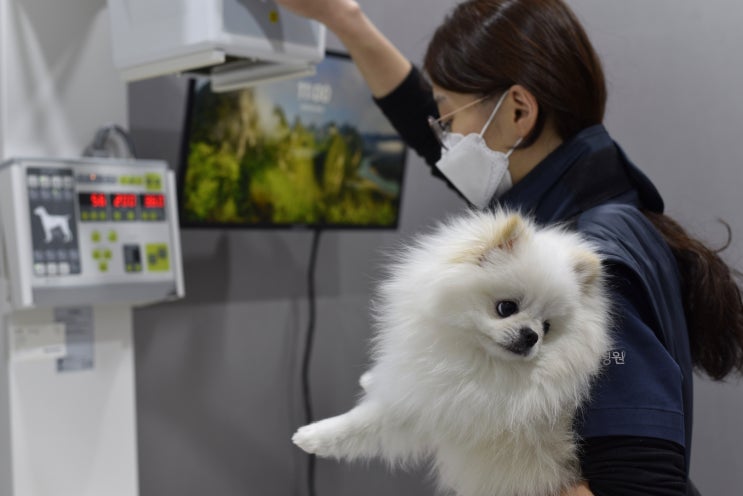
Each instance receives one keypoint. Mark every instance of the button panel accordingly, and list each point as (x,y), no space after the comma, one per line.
(111,224)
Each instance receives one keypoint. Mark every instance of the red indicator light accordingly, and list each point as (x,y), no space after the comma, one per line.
(125,201)
(98,200)
(153,201)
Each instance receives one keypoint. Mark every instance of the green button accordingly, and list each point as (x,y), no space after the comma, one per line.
(85,216)
(112,236)
(97,254)
(103,266)
(107,254)
(153,182)
(95,236)
(158,258)
(133,268)
(130,215)
(117,215)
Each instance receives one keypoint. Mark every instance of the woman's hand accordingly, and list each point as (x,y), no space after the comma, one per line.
(320,10)
(581,489)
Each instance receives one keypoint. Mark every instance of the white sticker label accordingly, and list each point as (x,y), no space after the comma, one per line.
(78,322)
(39,342)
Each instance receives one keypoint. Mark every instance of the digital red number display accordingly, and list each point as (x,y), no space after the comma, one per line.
(122,200)
(98,200)
(153,201)
(93,200)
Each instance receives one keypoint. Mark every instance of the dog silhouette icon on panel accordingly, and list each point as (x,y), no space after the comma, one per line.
(51,222)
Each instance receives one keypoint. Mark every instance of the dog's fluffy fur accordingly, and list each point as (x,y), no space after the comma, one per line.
(454,381)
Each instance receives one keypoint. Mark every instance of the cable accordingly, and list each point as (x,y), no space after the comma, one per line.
(100,146)
(307,354)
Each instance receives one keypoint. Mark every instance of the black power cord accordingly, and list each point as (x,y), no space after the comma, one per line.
(307,353)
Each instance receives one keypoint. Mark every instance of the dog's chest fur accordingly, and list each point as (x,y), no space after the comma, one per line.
(534,460)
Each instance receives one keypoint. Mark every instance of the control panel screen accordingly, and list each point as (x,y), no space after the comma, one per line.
(93,200)
(153,206)
(124,200)
(153,201)
(121,207)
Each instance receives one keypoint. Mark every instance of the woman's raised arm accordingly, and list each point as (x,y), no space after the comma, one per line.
(382,65)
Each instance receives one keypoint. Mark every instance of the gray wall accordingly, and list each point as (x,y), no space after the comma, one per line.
(218,395)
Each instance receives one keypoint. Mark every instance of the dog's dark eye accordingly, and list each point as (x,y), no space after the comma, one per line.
(506,308)
(546,326)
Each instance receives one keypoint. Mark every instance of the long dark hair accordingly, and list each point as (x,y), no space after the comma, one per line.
(484,47)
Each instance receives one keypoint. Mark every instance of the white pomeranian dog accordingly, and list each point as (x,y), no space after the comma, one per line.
(489,333)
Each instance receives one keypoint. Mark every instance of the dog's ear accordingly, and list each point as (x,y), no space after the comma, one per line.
(504,236)
(587,266)
(499,233)
(512,230)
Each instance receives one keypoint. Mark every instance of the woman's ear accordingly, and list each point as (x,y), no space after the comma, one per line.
(524,109)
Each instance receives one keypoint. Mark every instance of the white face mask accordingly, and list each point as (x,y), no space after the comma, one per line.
(478,172)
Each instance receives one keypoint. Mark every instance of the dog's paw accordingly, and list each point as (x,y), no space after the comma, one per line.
(349,436)
(365,380)
(317,438)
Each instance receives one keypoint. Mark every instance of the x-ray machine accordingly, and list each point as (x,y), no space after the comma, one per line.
(81,243)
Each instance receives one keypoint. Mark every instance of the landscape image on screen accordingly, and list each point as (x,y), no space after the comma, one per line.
(313,151)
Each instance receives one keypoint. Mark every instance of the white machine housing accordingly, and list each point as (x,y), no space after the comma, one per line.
(82,241)
(236,42)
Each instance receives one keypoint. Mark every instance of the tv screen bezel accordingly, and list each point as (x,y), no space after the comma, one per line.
(183,165)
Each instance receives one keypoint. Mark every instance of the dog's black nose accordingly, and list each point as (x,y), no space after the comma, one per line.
(524,342)
(527,337)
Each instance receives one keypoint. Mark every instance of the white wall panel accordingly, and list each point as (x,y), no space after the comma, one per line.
(58,80)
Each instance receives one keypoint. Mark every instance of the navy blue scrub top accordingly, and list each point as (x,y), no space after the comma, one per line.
(646,389)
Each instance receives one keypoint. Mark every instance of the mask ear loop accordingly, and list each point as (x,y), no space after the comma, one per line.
(490,119)
(518,142)
(492,115)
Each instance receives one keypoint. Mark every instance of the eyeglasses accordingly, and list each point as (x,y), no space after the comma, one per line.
(441,126)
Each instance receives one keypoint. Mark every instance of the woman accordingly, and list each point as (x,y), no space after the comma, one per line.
(517,102)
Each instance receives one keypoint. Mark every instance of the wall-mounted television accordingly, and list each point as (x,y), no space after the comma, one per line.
(313,152)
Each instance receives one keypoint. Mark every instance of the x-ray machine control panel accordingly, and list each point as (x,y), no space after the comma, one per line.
(90,230)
